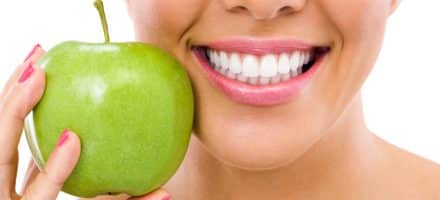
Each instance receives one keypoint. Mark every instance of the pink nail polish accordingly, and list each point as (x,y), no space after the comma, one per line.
(26,73)
(63,137)
(166,198)
(37,46)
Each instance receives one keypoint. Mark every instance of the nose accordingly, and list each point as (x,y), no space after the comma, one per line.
(264,9)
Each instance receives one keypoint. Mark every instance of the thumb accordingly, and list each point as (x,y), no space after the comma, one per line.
(31,173)
(60,164)
(159,194)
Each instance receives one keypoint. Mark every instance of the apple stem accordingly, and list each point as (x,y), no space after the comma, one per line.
(99,5)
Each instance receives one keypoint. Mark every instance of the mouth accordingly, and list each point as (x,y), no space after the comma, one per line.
(260,72)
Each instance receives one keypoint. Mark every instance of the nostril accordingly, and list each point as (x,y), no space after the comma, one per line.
(239,9)
(264,9)
(285,10)
(242,8)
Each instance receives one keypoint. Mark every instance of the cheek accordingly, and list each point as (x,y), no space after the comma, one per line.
(163,22)
(358,20)
(361,25)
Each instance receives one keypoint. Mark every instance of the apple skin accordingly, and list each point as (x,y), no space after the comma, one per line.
(132,106)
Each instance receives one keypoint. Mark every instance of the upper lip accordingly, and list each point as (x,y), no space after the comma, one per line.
(259,46)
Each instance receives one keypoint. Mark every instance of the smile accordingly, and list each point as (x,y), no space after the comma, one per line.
(260,72)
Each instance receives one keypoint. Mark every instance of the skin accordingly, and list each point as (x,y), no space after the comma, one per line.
(315,147)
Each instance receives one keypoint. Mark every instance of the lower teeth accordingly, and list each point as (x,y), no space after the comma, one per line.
(258,80)
(263,80)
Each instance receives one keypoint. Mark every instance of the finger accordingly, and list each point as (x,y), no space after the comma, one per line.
(8,170)
(7,184)
(34,55)
(60,164)
(108,197)
(31,173)
(159,194)
(22,97)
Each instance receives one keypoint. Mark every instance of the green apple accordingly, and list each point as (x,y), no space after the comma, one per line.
(131,104)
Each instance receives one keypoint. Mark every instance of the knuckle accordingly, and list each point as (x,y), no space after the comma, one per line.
(51,181)
(9,162)
(28,195)
(4,92)
(6,195)
(42,188)
(11,106)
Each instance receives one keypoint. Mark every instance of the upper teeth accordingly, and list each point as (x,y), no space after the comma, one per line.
(269,68)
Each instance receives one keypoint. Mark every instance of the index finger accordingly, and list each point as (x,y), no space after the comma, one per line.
(34,55)
(22,96)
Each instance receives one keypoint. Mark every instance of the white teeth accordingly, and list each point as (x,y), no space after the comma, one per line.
(224,60)
(294,73)
(301,59)
(250,66)
(267,69)
(223,71)
(231,75)
(242,78)
(216,60)
(295,60)
(211,55)
(307,58)
(264,80)
(283,64)
(253,80)
(275,79)
(285,77)
(235,63)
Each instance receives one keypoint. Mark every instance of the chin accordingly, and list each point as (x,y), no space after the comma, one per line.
(255,148)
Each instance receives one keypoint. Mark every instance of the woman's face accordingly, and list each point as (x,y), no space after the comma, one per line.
(291,67)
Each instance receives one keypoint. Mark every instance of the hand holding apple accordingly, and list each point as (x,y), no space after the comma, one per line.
(22,91)
(131,105)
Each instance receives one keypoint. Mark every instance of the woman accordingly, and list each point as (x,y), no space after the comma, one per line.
(278,109)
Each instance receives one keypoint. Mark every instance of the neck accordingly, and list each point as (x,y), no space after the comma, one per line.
(343,158)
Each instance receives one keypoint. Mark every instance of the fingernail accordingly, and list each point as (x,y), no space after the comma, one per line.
(166,197)
(37,46)
(26,73)
(63,137)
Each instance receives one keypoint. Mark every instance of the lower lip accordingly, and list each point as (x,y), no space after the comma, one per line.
(258,95)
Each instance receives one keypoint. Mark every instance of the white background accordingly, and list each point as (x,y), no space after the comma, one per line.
(401,97)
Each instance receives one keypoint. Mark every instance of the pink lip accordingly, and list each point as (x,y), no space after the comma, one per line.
(260,47)
(258,95)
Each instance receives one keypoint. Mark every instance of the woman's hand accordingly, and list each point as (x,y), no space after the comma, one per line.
(21,93)
(23,90)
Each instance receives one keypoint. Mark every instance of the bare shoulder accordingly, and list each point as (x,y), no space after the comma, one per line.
(411,174)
